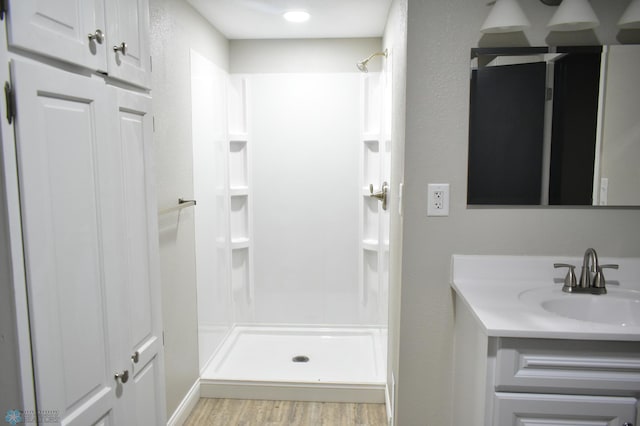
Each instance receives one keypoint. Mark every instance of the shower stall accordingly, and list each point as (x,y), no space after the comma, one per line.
(291,248)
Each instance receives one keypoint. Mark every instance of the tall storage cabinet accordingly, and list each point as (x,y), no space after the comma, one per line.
(87,209)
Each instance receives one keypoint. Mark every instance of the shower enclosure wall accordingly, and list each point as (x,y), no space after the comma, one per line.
(291,250)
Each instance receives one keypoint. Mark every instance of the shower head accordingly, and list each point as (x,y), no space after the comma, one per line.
(362,65)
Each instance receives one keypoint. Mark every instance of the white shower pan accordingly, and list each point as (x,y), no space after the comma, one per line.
(332,364)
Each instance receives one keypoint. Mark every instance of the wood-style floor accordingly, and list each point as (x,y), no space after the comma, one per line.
(235,412)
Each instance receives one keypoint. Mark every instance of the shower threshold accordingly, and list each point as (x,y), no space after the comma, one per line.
(328,364)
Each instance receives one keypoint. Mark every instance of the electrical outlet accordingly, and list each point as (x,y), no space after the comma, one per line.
(438,199)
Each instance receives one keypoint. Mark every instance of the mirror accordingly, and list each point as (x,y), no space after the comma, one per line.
(555,126)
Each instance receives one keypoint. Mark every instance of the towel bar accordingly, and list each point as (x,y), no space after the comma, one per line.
(182,203)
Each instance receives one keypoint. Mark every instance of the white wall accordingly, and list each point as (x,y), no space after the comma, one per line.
(305,131)
(176,29)
(440,34)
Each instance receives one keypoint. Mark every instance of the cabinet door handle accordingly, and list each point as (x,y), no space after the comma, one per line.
(124,376)
(627,424)
(97,36)
(135,357)
(122,48)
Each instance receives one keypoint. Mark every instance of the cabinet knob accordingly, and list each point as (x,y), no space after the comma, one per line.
(627,424)
(122,48)
(135,357)
(97,36)
(124,376)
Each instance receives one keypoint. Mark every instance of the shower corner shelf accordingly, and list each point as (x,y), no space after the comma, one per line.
(239,243)
(239,137)
(371,138)
(370,244)
(239,191)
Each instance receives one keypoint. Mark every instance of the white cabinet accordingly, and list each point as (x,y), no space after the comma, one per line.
(90,247)
(59,29)
(128,25)
(507,381)
(88,33)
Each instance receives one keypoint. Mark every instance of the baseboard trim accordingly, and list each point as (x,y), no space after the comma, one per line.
(186,406)
(289,391)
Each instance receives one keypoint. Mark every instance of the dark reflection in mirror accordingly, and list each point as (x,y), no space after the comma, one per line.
(539,132)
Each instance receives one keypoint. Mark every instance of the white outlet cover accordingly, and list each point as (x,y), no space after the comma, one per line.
(438,206)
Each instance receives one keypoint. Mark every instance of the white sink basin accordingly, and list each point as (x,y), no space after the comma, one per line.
(619,307)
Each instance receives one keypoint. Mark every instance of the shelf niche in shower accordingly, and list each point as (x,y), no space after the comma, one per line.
(370,277)
(240,229)
(239,218)
(374,170)
(240,275)
(238,165)
(240,197)
(370,223)
(371,163)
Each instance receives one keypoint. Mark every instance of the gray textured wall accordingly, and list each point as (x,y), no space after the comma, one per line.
(175,29)
(440,34)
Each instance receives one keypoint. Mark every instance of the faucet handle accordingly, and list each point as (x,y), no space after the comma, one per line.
(570,280)
(610,266)
(598,278)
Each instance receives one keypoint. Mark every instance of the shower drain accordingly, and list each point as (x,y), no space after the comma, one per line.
(300,358)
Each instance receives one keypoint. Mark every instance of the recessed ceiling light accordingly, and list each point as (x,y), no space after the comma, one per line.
(296,16)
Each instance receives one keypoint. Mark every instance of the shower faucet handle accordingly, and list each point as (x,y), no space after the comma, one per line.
(380,195)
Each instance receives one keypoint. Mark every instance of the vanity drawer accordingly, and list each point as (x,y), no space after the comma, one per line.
(567,366)
(544,409)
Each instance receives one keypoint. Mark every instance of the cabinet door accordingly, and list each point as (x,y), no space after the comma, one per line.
(64,183)
(562,410)
(140,305)
(128,25)
(59,29)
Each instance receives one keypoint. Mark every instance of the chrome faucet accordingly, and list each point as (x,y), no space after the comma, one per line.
(591,276)
(590,258)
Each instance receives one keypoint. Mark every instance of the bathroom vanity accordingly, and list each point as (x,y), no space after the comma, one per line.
(527,353)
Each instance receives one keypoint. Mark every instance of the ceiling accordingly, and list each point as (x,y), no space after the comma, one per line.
(262,19)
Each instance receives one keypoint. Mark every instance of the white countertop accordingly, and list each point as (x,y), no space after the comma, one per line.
(491,286)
